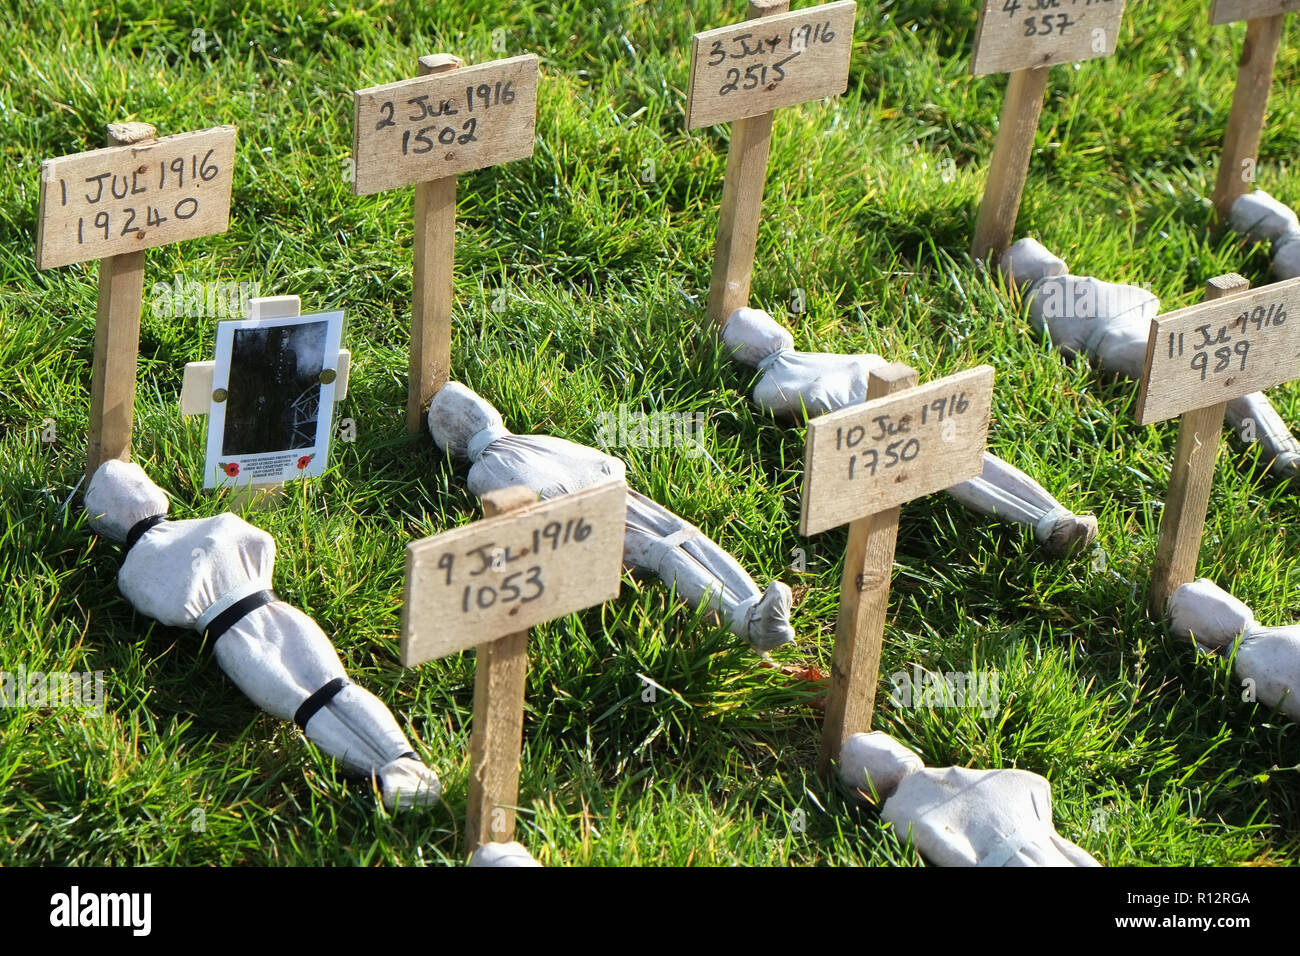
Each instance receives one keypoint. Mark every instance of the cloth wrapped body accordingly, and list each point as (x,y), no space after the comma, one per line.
(1261,218)
(192,573)
(957,816)
(795,385)
(1110,324)
(656,540)
(1267,656)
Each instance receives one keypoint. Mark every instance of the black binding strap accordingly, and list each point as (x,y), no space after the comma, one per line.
(231,615)
(318,700)
(140,527)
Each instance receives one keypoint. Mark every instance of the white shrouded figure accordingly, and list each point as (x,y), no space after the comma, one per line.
(1110,323)
(1268,656)
(502,854)
(656,541)
(1261,218)
(792,384)
(957,816)
(214,575)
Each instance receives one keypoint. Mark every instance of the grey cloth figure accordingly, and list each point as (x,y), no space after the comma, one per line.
(1269,657)
(956,816)
(656,541)
(214,575)
(793,384)
(1110,324)
(1261,218)
(502,854)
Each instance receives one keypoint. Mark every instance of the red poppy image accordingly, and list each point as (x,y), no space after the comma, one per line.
(231,468)
(304,461)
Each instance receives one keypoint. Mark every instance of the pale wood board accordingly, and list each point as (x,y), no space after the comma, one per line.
(742,201)
(565,577)
(1240,153)
(923,455)
(497,731)
(432,279)
(78,189)
(864,603)
(1172,384)
(431,296)
(1183,520)
(1002,46)
(1009,167)
(1230,11)
(502,131)
(747,69)
(117,336)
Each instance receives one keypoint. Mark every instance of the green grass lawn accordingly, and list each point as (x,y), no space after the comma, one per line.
(1152,755)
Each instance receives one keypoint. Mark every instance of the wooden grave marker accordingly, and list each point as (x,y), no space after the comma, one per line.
(112,204)
(423,132)
(196,390)
(1266,20)
(484,585)
(742,73)
(860,465)
(1199,359)
(1026,38)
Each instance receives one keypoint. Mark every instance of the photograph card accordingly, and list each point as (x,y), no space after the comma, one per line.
(272,403)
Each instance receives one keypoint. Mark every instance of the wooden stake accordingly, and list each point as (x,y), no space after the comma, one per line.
(742,200)
(996,224)
(864,601)
(117,338)
(497,731)
(1188,499)
(431,293)
(1249,104)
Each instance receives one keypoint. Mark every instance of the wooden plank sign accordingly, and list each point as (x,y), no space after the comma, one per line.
(438,125)
(748,69)
(1267,20)
(126,198)
(902,443)
(424,131)
(1026,38)
(1199,359)
(1231,11)
(743,73)
(111,204)
(1026,34)
(870,457)
(1221,350)
(484,585)
(473,584)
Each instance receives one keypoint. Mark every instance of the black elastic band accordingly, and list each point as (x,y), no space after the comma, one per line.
(231,615)
(140,527)
(318,700)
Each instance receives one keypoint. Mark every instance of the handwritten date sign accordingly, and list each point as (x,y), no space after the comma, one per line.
(1221,350)
(882,453)
(1022,34)
(760,65)
(431,127)
(495,577)
(125,198)
(1230,11)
